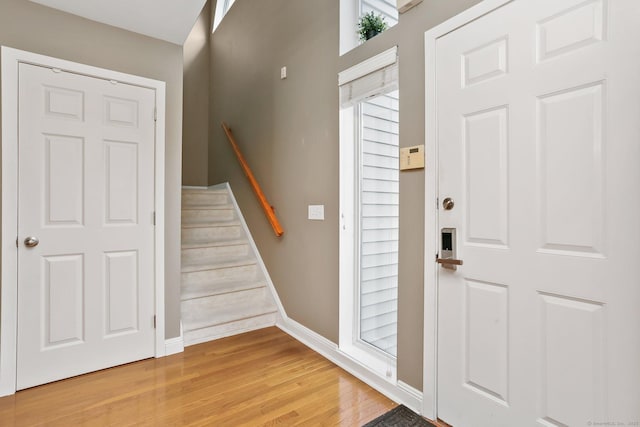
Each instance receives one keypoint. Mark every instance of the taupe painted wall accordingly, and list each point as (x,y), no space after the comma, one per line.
(288,130)
(195,132)
(31,27)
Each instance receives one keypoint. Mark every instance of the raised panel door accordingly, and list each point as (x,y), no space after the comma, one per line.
(86,185)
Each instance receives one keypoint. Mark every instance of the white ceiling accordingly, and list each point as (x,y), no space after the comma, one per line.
(169,20)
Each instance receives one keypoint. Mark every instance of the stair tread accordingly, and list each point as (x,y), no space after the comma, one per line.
(225,206)
(221,262)
(205,190)
(212,224)
(215,243)
(219,287)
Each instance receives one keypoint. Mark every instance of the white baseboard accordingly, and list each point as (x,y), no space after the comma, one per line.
(414,397)
(399,392)
(173,346)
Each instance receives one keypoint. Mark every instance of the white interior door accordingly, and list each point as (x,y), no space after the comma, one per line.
(538,105)
(86,192)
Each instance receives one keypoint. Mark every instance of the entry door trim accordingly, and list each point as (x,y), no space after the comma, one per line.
(430,352)
(11,58)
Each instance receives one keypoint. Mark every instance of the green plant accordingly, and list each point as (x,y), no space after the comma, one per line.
(370,25)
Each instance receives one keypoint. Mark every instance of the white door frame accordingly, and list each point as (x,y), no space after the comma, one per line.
(430,359)
(11,58)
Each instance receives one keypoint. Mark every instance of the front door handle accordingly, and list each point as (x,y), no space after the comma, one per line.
(449,261)
(31,242)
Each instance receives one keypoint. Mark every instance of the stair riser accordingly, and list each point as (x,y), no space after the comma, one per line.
(204,199)
(217,288)
(244,272)
(228,329)
(199,216)
(203,255)
(210,311)
(210,234)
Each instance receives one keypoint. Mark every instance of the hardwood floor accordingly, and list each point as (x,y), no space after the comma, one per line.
(261,378)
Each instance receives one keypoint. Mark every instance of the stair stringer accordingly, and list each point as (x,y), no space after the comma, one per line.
(274,294)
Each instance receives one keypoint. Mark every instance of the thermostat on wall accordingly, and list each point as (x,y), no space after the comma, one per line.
(412,157)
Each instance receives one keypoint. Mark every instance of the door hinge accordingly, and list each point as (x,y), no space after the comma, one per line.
(154,321)
(153,217)
(16,241)
(155,114)
(437,203)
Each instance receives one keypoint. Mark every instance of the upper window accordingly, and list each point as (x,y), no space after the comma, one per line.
(352,10)
(222,7)
(386,8)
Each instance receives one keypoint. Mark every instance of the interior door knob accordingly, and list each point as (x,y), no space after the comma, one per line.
(31,242)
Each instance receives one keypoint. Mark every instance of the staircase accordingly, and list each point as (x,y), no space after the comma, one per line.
(224,289)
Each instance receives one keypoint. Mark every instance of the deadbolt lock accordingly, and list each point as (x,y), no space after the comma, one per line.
(448,204)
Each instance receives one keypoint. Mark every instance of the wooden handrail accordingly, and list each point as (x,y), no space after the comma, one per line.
(268,209)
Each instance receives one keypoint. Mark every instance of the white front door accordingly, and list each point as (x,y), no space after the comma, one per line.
(538,105)
(86,193)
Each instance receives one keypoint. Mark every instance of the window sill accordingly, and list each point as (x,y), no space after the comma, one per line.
(383,366)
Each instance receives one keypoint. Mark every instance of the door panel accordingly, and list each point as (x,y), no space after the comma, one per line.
(564,321)
(62,293)
(485,135)
(486,339)
(86,184)
(122,289)
(537,105)
(122,169)
(64,171)
(571,124)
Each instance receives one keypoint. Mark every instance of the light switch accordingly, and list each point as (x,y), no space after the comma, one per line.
(283,73)
(412,157)
(316,212)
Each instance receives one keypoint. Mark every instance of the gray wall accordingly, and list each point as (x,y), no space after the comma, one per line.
(29,26)
(195,131)
(288,130)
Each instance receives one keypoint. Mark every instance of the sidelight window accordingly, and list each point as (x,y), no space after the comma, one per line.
(369,184)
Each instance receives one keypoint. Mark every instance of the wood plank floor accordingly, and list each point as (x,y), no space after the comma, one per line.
(262,378)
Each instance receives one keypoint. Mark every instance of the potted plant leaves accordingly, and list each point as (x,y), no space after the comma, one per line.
(370,25)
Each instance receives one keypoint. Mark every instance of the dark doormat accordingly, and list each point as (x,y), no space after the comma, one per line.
(400,416)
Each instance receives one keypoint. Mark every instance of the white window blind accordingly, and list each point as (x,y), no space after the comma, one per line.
(379,82)
(379,221)
(375,76)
